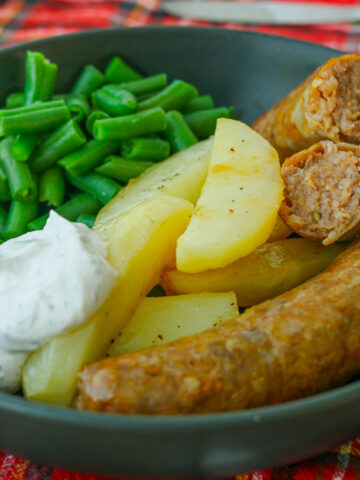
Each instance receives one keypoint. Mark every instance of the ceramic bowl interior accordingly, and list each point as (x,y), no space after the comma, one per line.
(252,72)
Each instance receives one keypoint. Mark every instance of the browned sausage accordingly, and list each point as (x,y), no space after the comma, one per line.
(322,192)
(325,106)
(303,342)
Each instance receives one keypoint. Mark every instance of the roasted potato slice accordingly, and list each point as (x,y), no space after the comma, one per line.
(267,272)
(280,230)
(182,175)
(141,244)
(161,320)
(238,205)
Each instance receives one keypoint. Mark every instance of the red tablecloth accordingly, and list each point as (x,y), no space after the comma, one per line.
(21,21)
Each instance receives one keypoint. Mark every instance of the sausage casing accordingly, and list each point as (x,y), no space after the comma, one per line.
(325,106)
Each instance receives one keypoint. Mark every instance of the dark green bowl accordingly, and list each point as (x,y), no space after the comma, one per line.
(252,72)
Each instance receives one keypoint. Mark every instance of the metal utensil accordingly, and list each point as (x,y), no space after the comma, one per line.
(261,12)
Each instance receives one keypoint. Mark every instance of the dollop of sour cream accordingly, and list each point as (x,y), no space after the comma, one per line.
(51,281)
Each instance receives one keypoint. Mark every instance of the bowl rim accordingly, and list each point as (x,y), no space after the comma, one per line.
(176,28)
(328,400)
(333,399)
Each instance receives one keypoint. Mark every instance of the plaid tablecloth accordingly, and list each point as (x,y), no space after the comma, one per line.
(28,20)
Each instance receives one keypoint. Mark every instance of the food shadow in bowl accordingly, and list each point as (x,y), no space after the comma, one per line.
(252,72)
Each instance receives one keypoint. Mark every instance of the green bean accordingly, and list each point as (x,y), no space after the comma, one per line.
(90,79)
(14,100)
(78,106)
(141,86)
(39,86)
(204,102)
(87,219)
(134,125)
(62,96)
(122,169)
(68,96)
(20,214)
(35,107)
(21,183)
(174,97)
(23,146)
(146,148)
(40,120)
(40,77)
(203,122)
(3,218)
(92,117)
(117,71)
(178,133)
(88,157)
(48,84)
(119,102)
(103,188)
(145,96)
(52,187)
(38,223)
(78,204)
(59,143)
(5,195)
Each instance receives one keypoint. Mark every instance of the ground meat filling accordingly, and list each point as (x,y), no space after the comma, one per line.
(322,191)
(335,105)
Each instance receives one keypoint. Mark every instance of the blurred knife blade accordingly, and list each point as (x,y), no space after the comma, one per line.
(261,12)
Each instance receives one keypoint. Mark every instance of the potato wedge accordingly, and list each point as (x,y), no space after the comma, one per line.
(161,320)
(267,272)
(280,230)
(182,176)
(238,205)
(141,244)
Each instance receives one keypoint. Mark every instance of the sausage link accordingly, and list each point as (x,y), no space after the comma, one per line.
(325,106)
(300,343)
(322,192)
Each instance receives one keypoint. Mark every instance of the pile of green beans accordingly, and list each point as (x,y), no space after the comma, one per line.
(72,152)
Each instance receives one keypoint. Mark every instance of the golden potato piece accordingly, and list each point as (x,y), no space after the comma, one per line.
(267,272)
(160,320)
(141,244)
(237,209)
(182,175)
(280,230)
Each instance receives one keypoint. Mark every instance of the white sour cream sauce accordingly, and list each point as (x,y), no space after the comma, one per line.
(51,281)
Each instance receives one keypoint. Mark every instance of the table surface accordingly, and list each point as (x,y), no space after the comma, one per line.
(21,21)
(27,20)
